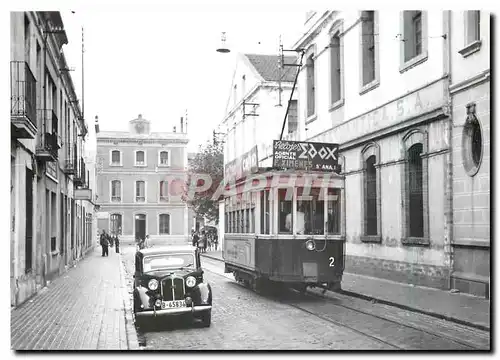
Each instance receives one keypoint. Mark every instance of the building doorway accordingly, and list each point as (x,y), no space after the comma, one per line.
(140,226)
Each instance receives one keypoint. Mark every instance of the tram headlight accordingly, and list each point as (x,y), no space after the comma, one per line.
(190,281)
(310,245)
(153,284)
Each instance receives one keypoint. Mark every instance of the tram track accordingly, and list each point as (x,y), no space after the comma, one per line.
(356,312)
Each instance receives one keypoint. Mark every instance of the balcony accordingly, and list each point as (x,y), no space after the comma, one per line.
(22,101)
(80,178)
(71,161)
(48,145)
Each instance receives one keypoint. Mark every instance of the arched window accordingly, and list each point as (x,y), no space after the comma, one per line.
(164,158)
(116,191)
(140,191)
(163,191)
(311,97)
(336,71)
(116,157)
(164,224)
(116,224)
(140,158)
(371,213)
(416,195)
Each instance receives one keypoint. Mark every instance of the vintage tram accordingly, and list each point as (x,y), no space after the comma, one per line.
(285,228)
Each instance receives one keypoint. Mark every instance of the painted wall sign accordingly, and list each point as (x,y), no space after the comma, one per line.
(400,110)
(301,155)
(242,166)
(51,169)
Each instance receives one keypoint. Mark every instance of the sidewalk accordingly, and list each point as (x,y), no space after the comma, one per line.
(83,309)
(461,308)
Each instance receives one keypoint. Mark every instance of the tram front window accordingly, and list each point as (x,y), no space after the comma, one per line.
(285,218)
(312,205)
(333,207)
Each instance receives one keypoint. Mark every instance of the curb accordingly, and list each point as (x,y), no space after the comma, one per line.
(131,333)
(398,305)
(417,310)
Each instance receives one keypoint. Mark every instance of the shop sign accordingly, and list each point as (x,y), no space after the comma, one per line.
(301,155)
(242,166)
(51,169)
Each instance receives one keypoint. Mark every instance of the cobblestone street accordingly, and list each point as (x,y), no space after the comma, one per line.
(244,320)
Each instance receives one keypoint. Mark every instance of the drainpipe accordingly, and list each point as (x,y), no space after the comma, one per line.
(447,63)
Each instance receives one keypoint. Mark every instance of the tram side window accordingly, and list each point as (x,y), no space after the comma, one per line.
(285,216)
(310,211)
(265,213)
(333,206)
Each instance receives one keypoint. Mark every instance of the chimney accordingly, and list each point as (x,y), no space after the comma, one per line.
(182,124)
(96,124)
(175,128)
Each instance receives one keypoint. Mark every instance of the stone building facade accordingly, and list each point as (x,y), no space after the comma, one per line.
(471,134)
(406,97)
(51,196)
(140,177)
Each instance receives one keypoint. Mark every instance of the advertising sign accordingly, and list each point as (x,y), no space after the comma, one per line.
(301,155)
(240,252)
(51,169)
(242,166)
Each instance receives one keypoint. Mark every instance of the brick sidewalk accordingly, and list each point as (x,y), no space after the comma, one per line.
(83,309)
(461,308)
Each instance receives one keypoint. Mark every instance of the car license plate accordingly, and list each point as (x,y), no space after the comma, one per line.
(173,304)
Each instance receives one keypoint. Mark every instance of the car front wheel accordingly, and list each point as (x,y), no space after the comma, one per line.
(206,318)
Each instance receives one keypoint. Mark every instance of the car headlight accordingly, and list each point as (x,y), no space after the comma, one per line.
(190,281)
(310,245)
(153,284)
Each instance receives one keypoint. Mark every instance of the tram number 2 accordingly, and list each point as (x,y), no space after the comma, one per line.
(332,261)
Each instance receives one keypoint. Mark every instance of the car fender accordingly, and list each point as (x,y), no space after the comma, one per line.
(202,294)
(141,295)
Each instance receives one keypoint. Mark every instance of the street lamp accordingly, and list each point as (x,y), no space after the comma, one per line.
(222,48)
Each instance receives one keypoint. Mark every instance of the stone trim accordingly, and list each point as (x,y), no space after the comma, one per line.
(471,82)
(415,240)
(471,48)
(471,243)
(371,238)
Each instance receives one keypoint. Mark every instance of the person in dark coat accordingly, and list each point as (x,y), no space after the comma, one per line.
(117,244)
(104,243)
(195,238)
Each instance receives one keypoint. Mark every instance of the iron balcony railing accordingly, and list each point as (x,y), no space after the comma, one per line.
(48,137)
(71,159)
(80,178)
(22,91)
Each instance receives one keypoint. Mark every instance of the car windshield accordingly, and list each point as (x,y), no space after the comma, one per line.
(168,261)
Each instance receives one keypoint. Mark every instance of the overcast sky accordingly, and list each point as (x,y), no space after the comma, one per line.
(161,61)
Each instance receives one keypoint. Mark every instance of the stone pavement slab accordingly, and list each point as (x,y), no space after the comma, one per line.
(83,309)
(461,308)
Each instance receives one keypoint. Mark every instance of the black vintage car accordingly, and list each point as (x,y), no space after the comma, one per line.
(169,281)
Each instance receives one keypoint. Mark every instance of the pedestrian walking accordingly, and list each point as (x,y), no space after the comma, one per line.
(216,241)
(147,242)
(111,240)
(104,243)
(195,238)
(202,241)
(117,244)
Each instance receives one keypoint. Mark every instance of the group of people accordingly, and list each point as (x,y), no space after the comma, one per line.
(143,243)
(107,240)
(203,240)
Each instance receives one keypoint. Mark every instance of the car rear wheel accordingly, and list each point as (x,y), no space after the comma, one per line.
(206,318)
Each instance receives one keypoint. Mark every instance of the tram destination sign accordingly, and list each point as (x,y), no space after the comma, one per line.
(301,155)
